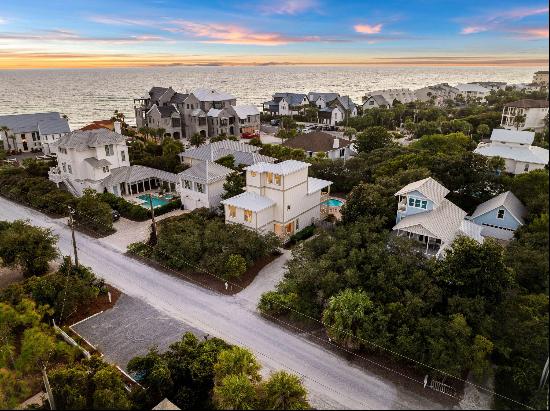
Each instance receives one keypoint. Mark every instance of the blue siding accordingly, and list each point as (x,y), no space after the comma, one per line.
(491,218)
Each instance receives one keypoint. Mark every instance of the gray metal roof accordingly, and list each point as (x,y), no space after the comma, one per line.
(82,140)
(442,222)
(44,123)
(328,97)
(205,172)
(94,162)
(428,187)
(133,174)
(512,136)
(380,100)
(242,153)
(293,99)
(507,200)
(212,95)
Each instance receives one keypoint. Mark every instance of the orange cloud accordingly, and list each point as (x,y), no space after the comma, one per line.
(503,21)
(368,28)
(533,33)
(473,29)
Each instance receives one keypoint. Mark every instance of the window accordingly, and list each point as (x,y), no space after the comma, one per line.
(417,203)
(270,178)
(106,169)
(70,169)
(252,174)
(123,155)
(248,216)
(187,184)
(411,201)
(199,187)
(109,150)
(342,152)
(526,168)
(278,179)
(64,167)
(232,211)
(297,224)
(424,204)
(500,213)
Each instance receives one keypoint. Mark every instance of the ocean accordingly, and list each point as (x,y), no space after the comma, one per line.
(85,95)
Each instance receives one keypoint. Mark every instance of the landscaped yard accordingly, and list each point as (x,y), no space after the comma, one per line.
(205,250)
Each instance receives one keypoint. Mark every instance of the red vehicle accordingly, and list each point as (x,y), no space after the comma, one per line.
(251,135)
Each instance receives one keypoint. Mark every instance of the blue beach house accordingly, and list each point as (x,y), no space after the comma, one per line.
(500,216)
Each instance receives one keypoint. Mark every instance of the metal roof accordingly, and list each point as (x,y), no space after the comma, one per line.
(512,136)
(246,154)
(249,201)
(428,187)
(442,222)
(246,110)
(316,184)
(94,162)
(206,172)
(44,123)
(531,154)
(507,200)
(293,99)
(212,95)
(328,97)
(84,139)
(283,168)
(133,174)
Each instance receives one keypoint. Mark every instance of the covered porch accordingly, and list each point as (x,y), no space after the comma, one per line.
(426,242)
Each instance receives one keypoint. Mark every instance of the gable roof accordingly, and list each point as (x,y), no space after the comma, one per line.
(284,168)
(95,163)
(328,97)
(249,201)
(442,222)
(528,103)
(178,98)
(316,141)
(379,99)
(167,111)
(242,153)
(346,102)
(45,123)
(156,92)
(207,172)
(293,99)
(244,111)
(81,139)
(512,136)
(507,200)
(531,154)
(203,94)
(108,124)
(133,174)
(428,187)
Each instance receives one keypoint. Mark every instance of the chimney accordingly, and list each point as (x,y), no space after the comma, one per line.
(336,143)
(118,127)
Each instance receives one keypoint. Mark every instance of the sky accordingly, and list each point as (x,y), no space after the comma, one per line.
(101,33)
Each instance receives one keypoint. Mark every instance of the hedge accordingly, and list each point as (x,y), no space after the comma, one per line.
(136,212)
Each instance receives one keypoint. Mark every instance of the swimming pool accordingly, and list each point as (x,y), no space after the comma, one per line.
(333,202)
(157,201)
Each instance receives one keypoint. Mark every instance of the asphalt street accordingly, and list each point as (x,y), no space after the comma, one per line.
(332,382)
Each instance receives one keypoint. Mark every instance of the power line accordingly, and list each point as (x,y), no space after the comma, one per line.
(332,327)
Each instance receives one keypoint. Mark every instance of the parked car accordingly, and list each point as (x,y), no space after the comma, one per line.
(115,214)
(275,122)
(255,134)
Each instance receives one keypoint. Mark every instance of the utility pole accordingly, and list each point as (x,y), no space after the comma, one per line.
(71,224)
(154,224)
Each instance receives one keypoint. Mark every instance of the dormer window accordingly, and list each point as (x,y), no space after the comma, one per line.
(109,151)
(500,213)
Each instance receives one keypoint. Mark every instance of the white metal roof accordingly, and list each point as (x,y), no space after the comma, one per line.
(212,95)
(246,110)
(316,184)
(213,112)
(472,230)
(443,221)
(249,201)
(134,174)
(45,123)
(94,162)
(428,187)
(84,139)
(507,200)
(282,168)
(243,153)
(207,172)
(513,136)
(531,154)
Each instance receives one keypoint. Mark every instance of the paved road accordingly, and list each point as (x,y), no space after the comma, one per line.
(331,381)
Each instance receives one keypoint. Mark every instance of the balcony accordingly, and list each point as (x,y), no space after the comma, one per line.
(54,174)
(402,206)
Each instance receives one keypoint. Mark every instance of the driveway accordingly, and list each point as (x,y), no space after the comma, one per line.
(266,280)
(331,381)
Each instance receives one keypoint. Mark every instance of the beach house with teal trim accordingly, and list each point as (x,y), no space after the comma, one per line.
(500,216)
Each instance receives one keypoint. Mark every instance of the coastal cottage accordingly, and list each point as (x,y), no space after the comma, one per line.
(472,91)
(279,198)
(319,143)
(426,216)
(375,101)
(515,148)
(286,104)
(404,95)
(438,93)
(331,115)
(33,132)
(524,115)
(500,216)
(322,100)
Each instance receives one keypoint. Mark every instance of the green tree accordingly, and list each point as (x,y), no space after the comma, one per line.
(93,213)
(237,360)
(110,392)
(369,201)
(373,138)
(235,267)
(197,139)
(519,120)
(171,147)
(227,161)
(235,392)
(481,350)
(234,184)
(483,130)
(283,391)
(29,247)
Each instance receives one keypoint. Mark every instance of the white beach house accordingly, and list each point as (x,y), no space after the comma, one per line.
(532,112)
(279,198)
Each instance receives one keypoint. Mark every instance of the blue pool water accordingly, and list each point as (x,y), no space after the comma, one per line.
(332,202)
(157,201)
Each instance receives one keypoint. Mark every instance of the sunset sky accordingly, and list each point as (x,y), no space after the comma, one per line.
(100,33)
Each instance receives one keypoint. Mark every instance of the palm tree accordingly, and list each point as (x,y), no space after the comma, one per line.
(5,130)
(519,119)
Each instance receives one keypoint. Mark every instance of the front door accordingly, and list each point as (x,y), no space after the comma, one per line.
(25,146)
